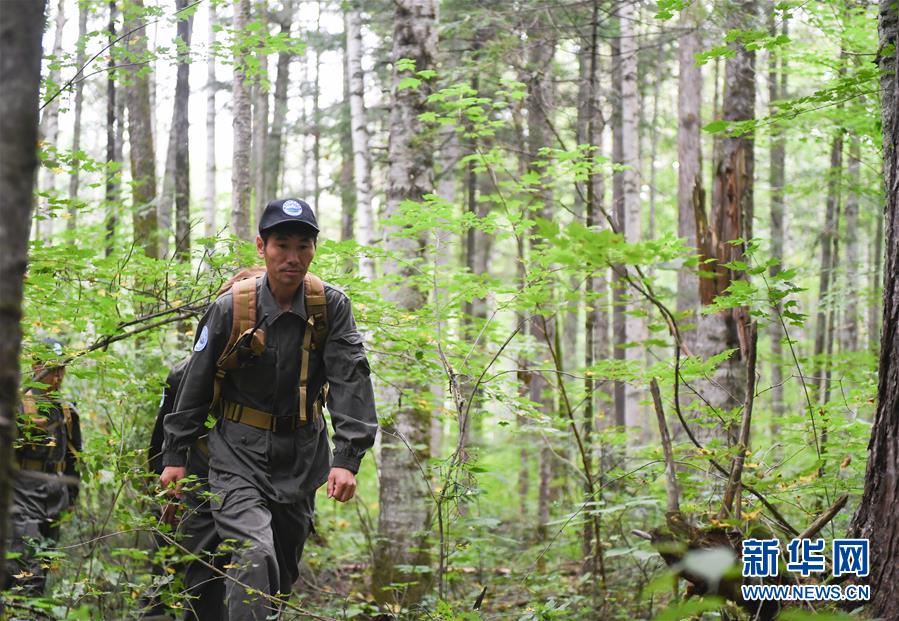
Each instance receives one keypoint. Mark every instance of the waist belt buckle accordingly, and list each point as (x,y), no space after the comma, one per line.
(281,424)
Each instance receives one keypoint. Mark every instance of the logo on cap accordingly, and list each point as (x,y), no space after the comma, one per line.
(292,208)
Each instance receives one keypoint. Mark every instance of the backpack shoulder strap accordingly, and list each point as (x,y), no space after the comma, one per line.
(243,318)
(316,309)
(315,334)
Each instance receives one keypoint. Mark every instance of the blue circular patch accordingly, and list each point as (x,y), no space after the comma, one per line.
(292,208)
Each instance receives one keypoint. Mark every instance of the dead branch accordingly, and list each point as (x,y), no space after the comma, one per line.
(670,475)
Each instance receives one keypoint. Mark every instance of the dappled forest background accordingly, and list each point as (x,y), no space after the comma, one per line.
(619,267)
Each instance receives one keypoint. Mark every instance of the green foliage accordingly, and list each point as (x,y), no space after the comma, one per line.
(125,318)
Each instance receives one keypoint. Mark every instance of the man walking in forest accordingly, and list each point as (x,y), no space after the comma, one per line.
(46,484)
(267,355)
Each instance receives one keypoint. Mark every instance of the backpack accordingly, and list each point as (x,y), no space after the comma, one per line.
(248,340)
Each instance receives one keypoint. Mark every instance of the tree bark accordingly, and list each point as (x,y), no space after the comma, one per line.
(316,116)
(405,512)
(49,125)
(849,332)
(112,140)
(880,498)
(777,89)
(260,129)
(140,133)
(731,218)
(690,192)
(540,104)
(634,325)
(447,189)
(619,286)
(181,128)
(361,158)
(212,88)
(274,161)
(21,30)
(74,179)
(240,108)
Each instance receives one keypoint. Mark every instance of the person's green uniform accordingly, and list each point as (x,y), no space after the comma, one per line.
(264,480)
(45,485)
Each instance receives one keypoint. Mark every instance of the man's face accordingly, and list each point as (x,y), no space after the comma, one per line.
(52,377)
(287,257)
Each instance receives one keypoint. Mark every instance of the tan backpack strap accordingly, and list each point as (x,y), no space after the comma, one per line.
(243,317)
(314,335)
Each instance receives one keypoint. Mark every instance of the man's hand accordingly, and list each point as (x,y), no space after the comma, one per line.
(173,474)
(341,484)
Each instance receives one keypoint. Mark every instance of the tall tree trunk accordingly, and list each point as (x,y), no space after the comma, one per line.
(540,105)
(361,158)
(731,218)
(240,108)
(596,344)
(140,133)
(827,271)
(345,176)
(635,325)
(274,145)
(405,511)
(877,276)
(447,189)
(74,178)
(181,126)
(259,138)
(849,332)
(875,518)
(619,286)
(21,29)
(212,88)
(316,116)
(49,127)
(112,139)
(690,192)
(166,198)
(777,90)
(522,362)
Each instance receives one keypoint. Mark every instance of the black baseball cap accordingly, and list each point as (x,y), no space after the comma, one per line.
(285,210)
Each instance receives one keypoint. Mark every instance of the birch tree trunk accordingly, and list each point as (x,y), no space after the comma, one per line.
(259,138)
(316,116)
(274,145)
(74,179)
(635,326)
(49,127)
(731,218)
(21,30)
(240,108)
(619,287)
(405,512)
(212,88)
(140,134)
(690,192)
(361,159)
(447,189)
(879,503)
